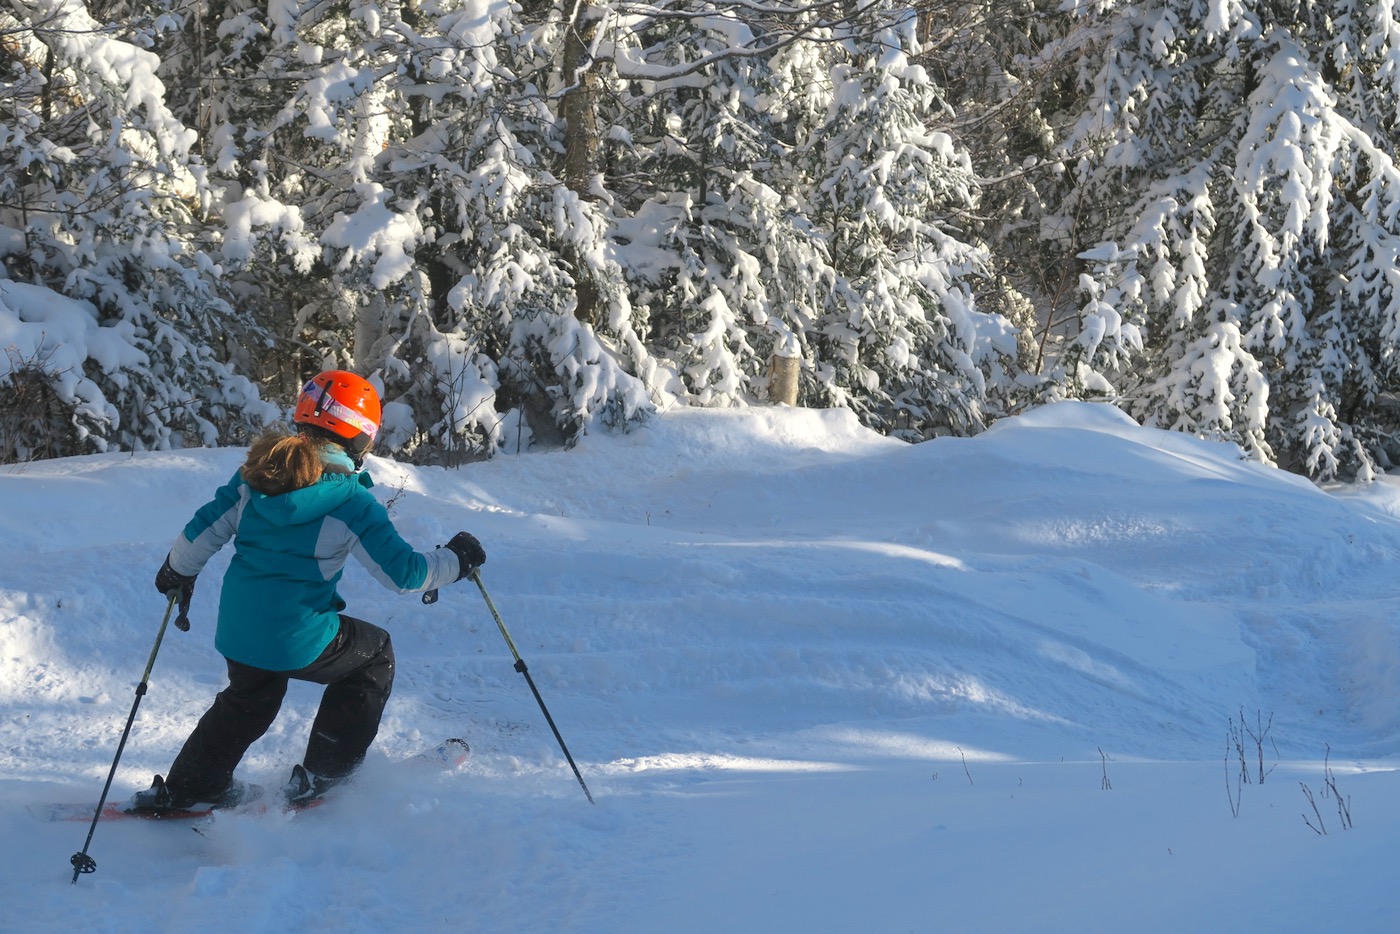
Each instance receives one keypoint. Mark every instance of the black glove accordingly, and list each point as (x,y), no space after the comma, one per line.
(169,580)
(469,552)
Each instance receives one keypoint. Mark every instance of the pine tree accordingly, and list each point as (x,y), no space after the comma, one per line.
(1241,159)
(706,216)
(902,338)
(99,195)
(792,195)
(405,159)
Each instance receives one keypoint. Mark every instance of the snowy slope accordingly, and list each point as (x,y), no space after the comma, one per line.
(816,680)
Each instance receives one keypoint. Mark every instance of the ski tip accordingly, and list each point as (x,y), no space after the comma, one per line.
(447,754)
(450,753)
(455,751)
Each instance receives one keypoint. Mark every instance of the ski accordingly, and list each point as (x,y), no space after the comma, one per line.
(445,756)
(74,811)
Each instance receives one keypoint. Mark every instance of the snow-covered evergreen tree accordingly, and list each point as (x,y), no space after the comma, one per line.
(133,345)
(901,342)
(706,220)
(1008,70)
(1240,158)
(410,176)
(784,190)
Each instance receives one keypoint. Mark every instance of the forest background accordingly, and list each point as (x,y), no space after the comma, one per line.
(523,220)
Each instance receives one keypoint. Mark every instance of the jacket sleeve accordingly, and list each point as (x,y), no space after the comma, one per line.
(391,560)
(213,525)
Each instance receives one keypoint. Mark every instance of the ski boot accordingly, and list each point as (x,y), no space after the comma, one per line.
(159,798)
(304,787)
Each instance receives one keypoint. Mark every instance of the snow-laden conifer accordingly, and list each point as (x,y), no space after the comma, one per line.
(782,189)
(399,169)
(1240,158)
(707,214)
(900,342)
(108,310)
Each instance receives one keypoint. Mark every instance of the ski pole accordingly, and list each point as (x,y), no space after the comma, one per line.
(524,670)
(81,861)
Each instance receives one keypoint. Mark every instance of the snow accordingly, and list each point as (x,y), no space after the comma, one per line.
(816,680)
(375,228)
(40,328)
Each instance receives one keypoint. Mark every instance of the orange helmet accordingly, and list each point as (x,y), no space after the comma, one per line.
(343,404)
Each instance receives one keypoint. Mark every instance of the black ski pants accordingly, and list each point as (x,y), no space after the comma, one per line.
(357,668)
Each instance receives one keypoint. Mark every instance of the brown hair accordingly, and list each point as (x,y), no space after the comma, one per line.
(279,462)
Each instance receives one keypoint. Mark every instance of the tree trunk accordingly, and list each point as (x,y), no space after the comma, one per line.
(582,140)
(782,380)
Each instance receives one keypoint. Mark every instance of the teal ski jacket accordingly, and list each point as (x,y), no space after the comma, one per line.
(279,607)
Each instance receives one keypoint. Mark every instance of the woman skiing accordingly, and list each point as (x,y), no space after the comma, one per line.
(296,510)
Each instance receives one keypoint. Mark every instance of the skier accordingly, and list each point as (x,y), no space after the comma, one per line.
(296,510)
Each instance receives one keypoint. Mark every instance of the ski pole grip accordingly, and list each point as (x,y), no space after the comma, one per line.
(182,619)
(430,597)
